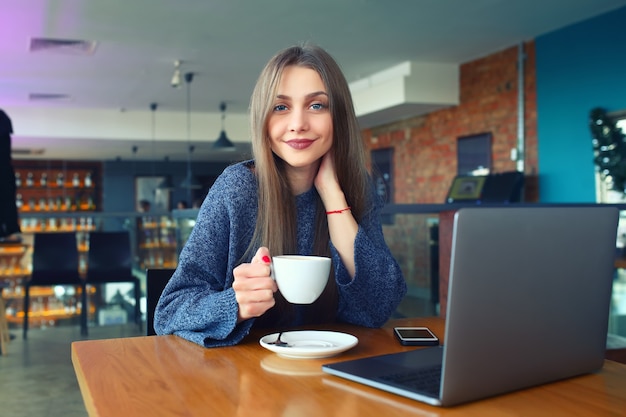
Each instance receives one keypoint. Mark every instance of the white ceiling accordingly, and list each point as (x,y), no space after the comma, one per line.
(225,43)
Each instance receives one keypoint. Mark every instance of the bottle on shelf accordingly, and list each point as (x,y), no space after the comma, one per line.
(60,180)
(18,201)
(88,182)
(76,180)
(18,179)
(43,180)
(29,180)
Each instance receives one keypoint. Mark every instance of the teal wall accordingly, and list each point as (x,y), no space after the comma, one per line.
(578,68)
(118,182)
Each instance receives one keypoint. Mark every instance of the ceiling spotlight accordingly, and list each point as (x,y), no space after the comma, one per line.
(176,77)
(222,143)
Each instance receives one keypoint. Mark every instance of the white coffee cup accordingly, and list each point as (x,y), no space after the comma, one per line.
(300,279)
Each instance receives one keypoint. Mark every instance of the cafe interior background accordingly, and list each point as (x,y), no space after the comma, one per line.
(115,102)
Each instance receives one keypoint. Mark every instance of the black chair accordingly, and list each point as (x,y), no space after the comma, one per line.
(110,260)
(55,262)
(156,279)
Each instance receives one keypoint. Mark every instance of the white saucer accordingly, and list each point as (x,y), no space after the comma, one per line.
(309,344)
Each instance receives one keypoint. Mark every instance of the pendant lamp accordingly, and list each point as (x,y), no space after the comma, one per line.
(166,184)
(134,168)
(223,143)
(135,148)
(153,107)
(190,181)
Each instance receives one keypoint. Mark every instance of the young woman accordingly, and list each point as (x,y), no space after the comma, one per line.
(306,192)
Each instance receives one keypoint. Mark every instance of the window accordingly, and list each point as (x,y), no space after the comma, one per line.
(474,154)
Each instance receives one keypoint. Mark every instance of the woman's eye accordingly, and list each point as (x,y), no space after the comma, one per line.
(318,106)
(280,107)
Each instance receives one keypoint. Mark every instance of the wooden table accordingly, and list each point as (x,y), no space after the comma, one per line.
(168,376)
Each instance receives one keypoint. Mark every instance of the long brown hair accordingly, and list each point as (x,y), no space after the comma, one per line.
(278,233)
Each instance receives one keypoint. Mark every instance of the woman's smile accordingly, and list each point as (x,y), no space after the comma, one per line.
(300,143)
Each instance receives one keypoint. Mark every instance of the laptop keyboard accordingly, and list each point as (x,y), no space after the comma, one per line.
(426,380)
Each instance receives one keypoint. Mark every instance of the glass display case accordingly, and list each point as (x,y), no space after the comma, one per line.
(153,240)
(156,242)
(185,220)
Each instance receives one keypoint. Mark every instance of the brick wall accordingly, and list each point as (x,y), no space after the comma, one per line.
(425,150)
(425,146)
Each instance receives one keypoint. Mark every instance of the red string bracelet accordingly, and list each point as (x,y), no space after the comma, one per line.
(338,211)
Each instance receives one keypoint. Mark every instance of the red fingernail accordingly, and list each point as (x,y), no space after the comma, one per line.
(266,259)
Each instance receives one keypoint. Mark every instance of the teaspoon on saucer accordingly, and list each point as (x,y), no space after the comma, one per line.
(279,342)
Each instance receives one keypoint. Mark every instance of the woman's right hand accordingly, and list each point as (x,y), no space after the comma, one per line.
(254,288)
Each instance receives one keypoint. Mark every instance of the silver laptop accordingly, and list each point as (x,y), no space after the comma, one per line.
(528,303)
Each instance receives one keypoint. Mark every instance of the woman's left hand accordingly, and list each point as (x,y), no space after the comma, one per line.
(326,181)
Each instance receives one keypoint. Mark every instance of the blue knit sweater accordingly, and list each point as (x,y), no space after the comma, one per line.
(198,303)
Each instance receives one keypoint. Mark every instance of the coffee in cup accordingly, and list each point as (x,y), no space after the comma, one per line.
(300,279)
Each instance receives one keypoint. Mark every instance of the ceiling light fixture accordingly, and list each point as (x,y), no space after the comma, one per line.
(134,149)
(175,82)
(153,107)
(166,184)
(190,182)
(223,143)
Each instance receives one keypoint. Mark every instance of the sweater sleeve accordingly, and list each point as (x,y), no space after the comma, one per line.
(198,303)
(378,286)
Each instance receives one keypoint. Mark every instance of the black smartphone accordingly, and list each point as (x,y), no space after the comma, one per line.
(416,336)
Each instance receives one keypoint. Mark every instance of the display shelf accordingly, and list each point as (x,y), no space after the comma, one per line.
(56,224)
(11,265)
(48,304)
(157,245)
(57,186)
